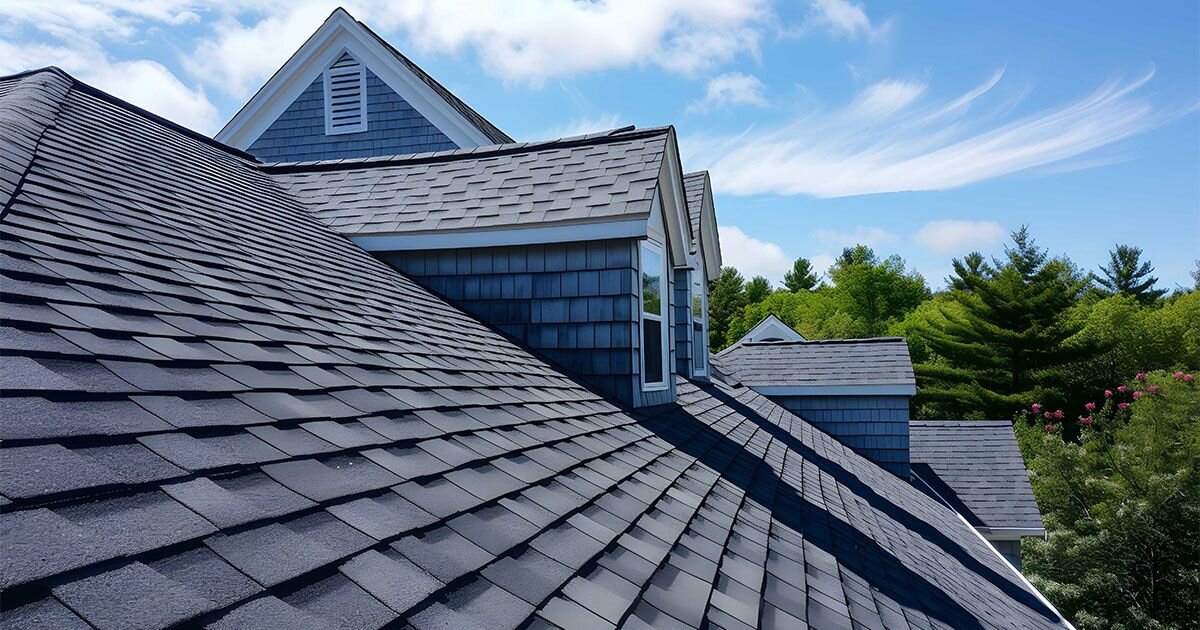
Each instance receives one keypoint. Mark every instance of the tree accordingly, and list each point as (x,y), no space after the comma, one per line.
(873,292)
(1007,338)
(757,289)
(1196,275)
(814,314)
(1120,504)
(1126,274)
(801,277)
(971,266)
(726,298)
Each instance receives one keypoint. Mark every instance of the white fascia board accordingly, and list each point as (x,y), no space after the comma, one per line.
(772,323)
(341,33)
(674,201)
(456,239)
(1011,533)
(837,390)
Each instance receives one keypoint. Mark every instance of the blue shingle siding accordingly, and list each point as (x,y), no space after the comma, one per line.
(1010,549)
(876,427)
(683,324)
(393,127)
(576,303)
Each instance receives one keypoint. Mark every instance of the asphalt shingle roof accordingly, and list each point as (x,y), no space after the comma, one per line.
(591,178)
(818,363)
(976,466)
(693,189)
(217,412)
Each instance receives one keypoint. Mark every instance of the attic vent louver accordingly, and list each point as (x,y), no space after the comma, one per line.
(345,96)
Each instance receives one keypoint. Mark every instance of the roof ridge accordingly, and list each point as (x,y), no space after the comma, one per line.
(26,112)
(437,157)
(801,342)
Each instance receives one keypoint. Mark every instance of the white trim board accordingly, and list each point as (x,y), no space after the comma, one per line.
(340,34)
(836,390)
(771,326)
(533,235)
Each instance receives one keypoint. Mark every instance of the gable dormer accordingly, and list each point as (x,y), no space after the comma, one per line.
(570,246)
(701,267)
(346,93)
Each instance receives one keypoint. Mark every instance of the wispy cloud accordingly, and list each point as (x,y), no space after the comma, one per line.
(953,237)
(842,18)
(729,89)
(579,127)
(890,139)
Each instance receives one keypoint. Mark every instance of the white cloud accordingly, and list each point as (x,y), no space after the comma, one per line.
(861,235)
(956,237)
(145,83)
(906,144)
(840,18)
(731,88)
(751,256)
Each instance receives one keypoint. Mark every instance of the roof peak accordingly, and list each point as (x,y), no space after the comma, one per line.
(809,342)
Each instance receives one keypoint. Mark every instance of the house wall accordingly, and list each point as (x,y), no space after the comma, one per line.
(393,127)
(1010,549)
(576,303)
(683,324)
(876,427)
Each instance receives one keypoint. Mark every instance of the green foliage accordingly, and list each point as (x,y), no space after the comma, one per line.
(875,293)
(726,298)
(1121,503)
(757,289)
(1007,341)
(802,277)
(814,314)
(1126,274)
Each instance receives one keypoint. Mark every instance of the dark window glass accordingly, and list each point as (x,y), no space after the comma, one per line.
(652,350)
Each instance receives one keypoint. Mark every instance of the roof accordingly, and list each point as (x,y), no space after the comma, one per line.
(598,177)
(702,218)
(214,411)
(976,467)
(821,366)
(694,188)
(483,124)
(771,328)
(341,33)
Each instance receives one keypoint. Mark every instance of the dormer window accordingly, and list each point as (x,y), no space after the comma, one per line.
(655,332)
(345,96)
(699,311)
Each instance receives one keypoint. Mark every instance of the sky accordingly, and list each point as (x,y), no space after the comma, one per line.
(926,130)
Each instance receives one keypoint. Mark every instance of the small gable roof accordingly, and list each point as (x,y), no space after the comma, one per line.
(975,466)
(702,217)
(339,34)
(217,412)
(771,328)
(879,366)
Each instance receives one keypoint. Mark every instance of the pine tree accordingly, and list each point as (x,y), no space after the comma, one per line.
(757,289)
(802,277)
(971,266)
(1127,274)
(999,349)
(726,299)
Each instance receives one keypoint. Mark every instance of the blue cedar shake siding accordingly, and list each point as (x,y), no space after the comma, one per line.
(393,127)
(876,427)
(683,324)
(575,303)
(1011,550)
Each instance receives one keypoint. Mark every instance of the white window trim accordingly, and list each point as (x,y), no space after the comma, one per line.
(664,290)
(697,368)
(362,90)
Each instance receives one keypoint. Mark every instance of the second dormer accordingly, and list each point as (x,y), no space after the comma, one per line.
(581,248)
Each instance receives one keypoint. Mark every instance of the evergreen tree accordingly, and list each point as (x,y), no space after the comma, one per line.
(1126,274)
(1196,276)
(726,298)
(802,277)
(857,255)
(999,347)
(972,265)
(757,289)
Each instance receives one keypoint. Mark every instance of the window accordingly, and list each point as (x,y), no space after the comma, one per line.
(655,333)
(345,96)
(699,312)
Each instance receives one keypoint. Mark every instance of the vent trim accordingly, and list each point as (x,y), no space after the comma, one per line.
(345,96)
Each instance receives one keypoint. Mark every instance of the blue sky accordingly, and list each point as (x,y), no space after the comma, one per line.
(923,129)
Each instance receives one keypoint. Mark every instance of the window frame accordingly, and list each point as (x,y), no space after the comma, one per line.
(699,359)
(663,318)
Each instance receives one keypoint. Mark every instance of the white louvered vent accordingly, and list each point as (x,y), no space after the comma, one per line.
(345,96)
